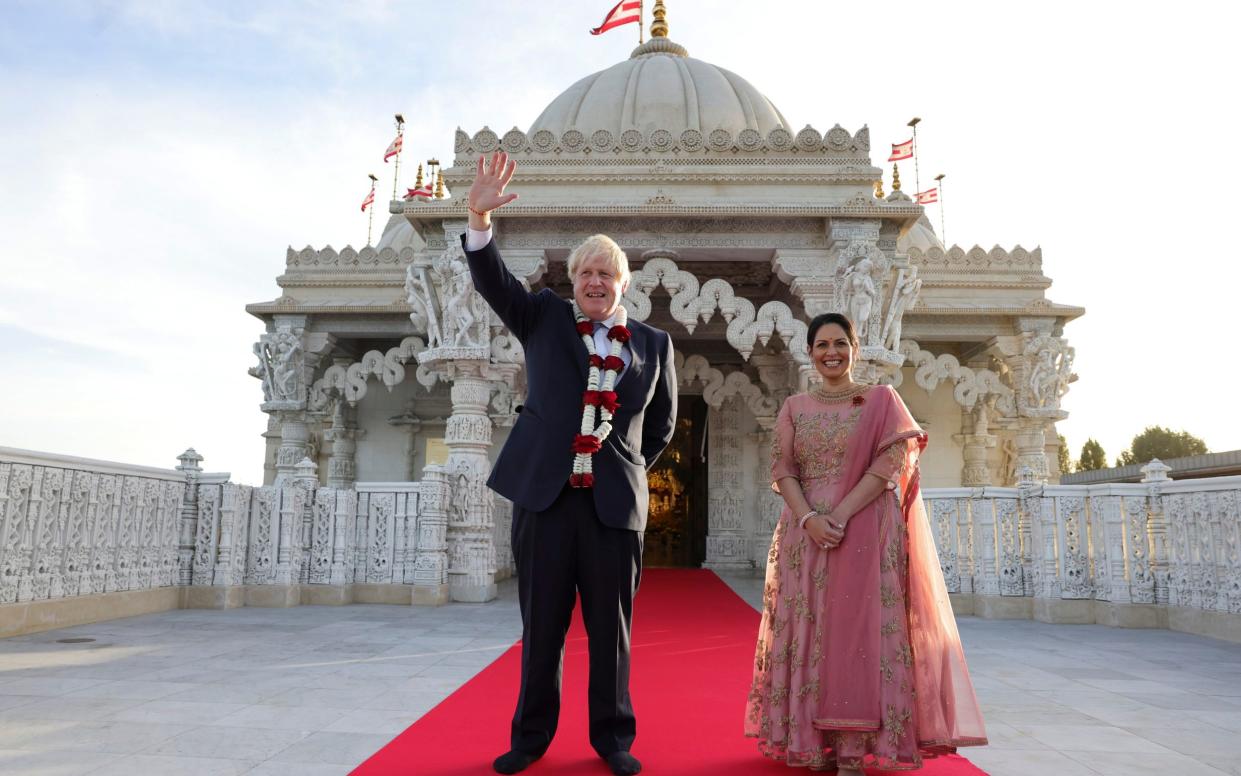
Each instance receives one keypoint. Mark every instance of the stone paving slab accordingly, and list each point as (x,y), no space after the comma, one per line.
(314,690)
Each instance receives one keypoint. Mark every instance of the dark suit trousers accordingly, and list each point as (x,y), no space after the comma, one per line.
(559,551)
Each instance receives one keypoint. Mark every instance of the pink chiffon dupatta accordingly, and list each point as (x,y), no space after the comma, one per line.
(947,710)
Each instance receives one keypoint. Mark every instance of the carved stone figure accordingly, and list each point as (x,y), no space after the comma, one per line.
(420,293)
(903,295)
(263,369)
(460,307)
(1050,370)
(860,296)
(286,365)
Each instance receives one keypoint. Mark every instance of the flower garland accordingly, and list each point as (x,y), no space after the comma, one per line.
(599,394)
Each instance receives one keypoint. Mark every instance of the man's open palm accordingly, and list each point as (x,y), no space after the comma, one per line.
(487,191)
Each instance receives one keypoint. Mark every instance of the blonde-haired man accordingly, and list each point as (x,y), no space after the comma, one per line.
(579,489)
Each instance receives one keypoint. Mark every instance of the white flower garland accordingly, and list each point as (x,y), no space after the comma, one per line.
(598,380)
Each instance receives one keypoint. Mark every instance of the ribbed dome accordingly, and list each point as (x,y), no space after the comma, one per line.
(659,87)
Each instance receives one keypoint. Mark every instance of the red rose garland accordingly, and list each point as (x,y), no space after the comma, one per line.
(599,395)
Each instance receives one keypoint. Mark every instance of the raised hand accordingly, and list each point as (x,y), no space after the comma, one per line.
(487,191)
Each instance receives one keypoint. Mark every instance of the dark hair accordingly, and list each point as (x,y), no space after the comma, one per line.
(821,320)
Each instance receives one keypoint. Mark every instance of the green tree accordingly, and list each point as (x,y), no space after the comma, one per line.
(1162,443)
(1092,457)
(1062,457)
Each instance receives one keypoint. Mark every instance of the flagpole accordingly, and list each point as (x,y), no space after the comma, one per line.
(914,123)
(370,224)
(396,169)
(641,20)
(943,230)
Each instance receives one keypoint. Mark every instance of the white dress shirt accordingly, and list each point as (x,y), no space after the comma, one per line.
(477,240)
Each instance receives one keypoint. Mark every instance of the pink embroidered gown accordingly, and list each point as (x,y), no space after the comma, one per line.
(858,663)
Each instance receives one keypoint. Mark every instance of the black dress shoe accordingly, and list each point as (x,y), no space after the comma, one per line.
(623,764)
(514,761)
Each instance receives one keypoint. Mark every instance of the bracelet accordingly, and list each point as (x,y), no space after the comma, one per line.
(812,513)
(479,213)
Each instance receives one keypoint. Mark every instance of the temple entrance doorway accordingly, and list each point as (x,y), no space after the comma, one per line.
(676,529)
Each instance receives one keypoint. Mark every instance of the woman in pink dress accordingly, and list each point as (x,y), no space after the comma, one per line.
(858,662)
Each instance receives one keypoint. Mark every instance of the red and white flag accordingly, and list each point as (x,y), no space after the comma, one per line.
(625,12)
(370,199)
(927,197)
(423,193)
(902,151)
(394,148)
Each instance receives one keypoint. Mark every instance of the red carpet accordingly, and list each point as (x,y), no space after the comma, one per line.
(693,647)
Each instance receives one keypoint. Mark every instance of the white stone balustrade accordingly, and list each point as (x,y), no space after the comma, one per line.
(75,527)
(84,540)
(1151,554)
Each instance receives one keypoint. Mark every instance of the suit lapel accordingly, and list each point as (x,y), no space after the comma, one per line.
(637,347)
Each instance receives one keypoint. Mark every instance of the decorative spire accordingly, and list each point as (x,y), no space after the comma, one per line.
(879,189)
(896,177)
(659,27)
(439,185)
(418,183)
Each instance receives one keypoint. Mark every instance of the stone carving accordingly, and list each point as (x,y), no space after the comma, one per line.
(350,382)
(976,258)
(836,143)
(718,389)
(281,362)
(347,258)
(1048,372)
(444,303)
(904,293)
(969,384)
(860,280)
(692,302)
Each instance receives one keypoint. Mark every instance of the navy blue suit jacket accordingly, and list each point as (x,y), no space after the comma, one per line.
(536,461)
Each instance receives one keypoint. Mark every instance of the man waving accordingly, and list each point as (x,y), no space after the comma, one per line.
(600,407)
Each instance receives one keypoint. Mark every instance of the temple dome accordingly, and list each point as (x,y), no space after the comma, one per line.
(660,87)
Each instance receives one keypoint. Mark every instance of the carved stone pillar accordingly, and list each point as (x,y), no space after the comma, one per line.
(188,523)
(294,444)
(768,504)
(975,473)
(288,356)
(471,550)
(341,467)
(975,446)
(1031,439)
(727,540)
(1041,373)
(431,559)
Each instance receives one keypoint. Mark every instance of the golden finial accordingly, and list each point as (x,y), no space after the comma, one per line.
(879,189)
(418,183)
(659,27)
(896,177)
(439,185)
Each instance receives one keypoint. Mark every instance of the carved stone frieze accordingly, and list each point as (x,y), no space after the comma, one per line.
(976,258)
(836,142)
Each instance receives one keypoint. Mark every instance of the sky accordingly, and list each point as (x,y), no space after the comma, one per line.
(157,159)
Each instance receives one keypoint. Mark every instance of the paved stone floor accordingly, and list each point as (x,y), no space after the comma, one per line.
(315,690)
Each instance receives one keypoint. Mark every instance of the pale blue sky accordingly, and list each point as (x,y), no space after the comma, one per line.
(156,158)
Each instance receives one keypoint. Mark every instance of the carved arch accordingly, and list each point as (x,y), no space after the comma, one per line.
(350,382)
(969,384)
(718,387)
(693,301)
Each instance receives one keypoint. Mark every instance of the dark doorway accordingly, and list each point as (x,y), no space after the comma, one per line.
(676,529)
